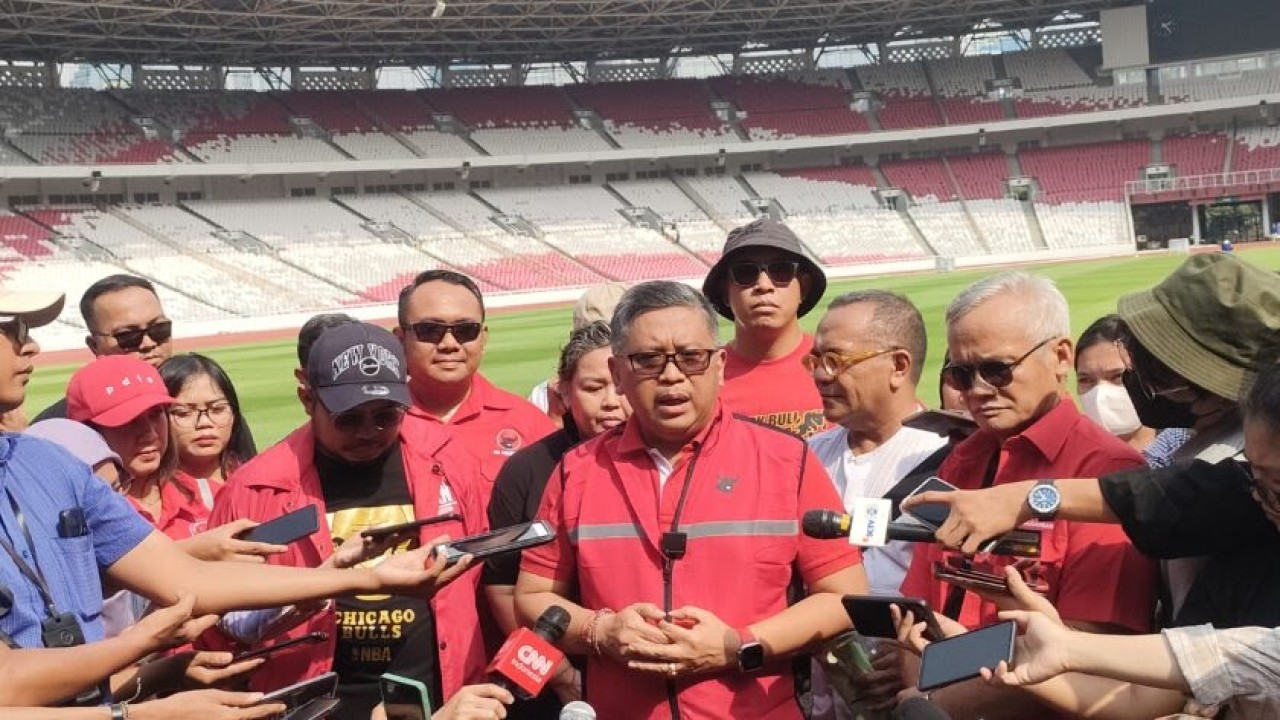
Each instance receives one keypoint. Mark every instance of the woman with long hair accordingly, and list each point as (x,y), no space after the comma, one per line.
(206,427)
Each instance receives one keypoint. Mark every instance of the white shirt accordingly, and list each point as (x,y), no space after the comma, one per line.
(871,475)
(664,468)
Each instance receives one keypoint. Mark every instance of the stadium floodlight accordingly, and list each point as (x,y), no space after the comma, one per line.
(440,7)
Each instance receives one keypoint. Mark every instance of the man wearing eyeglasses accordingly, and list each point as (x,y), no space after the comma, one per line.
(364,467)
(764,282)
(123,316)
(441,316)
(1010,353)
(868,353)
(680,529)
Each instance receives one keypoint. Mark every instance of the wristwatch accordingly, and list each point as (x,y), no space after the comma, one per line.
(1044,500)
(750,652)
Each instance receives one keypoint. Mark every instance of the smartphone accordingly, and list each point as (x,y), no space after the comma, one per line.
(931,514)
(961,657)
(498,542)
(307,700)
(871,617)
(971,579)
(307,639)
(942,422)
(404,698)
(377,533)
(287,528)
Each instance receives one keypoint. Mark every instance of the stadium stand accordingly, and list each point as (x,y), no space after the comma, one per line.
(1053,83)
(1003,224)
(21,238)
(1074,225)
(1249,83)
(1088,172)
(980,175)
(817,103)
(949,232)
(1257,149)
(75,127)
(1195,153)
(923,178)
(654,113)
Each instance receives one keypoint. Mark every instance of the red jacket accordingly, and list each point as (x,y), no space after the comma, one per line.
(284,478)
(748,486)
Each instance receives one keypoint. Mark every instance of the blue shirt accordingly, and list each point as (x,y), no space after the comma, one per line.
(44,480)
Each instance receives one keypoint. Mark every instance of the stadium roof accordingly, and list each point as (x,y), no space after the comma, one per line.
(432,32)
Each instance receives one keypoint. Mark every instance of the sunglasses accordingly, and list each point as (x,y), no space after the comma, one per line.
(993,372)
(780,272)
(131,340)
(353,420)
(652,364)
(16,329)
(834,362)
(433,332)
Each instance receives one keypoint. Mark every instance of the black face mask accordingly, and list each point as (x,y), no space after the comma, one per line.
(1155,411)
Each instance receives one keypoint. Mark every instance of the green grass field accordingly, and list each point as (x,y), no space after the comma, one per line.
(524,346)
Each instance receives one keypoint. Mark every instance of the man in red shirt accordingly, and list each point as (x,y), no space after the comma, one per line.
(1010,353)
(442,328)
(765,283)
(686,521)
(362,466)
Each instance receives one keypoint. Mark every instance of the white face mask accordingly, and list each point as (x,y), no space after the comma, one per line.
(1109,406)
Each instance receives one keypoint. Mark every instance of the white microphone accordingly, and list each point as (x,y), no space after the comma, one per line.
(577,710)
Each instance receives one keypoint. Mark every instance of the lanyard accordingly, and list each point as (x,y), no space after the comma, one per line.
(31,573)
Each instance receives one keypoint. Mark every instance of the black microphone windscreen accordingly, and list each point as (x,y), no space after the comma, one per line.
(821,524)
(552,623)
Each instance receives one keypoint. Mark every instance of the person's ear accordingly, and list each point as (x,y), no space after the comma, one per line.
(1064,357)
(306,397)
(902,368)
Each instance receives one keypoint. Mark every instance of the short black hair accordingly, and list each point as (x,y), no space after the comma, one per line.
(106,286)
(313,328)
(447,276)
(1262,402)
(1106,329)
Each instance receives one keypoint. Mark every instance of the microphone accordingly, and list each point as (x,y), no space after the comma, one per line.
(869,525)
(527,660)
(577,710)
(918,708)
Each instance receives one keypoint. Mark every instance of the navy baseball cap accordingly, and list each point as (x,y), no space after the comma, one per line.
(357,363)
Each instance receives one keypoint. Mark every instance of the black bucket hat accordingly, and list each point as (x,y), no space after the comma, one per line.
(768,233)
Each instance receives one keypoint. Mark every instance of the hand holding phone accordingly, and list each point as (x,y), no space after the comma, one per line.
(932,515)
(404,698)
(498,542)
(964,656)
(308,639)
(378,533)
(974,580)
(287,528)
(872,617)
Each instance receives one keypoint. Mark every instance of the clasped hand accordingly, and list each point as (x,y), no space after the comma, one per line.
(691,641)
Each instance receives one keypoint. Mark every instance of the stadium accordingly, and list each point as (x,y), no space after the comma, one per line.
(544,147)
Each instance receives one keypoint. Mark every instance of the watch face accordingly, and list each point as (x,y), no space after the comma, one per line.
(751,656)
(1043,498)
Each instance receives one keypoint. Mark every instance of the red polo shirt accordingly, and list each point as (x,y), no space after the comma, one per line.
(778,392)
(182,511)
(1091,570)
(492,424)
(743,489)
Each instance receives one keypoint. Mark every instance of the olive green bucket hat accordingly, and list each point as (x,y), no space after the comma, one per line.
(1215,321)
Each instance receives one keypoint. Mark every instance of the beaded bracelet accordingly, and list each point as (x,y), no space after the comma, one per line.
(589,630)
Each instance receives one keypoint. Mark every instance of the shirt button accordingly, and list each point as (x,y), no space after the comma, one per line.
(444,645)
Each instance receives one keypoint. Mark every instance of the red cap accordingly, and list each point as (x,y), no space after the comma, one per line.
(114,389)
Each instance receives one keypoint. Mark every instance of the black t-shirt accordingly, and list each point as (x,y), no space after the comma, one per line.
(517,494)
(376,633)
